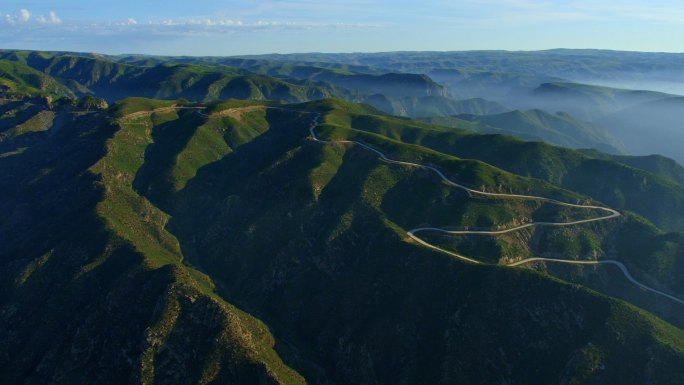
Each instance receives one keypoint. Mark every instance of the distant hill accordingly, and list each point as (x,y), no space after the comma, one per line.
(499,86)
(391,84)
(224,221)
(560,129)
(445,107)
(586,101)
(19,80)
(636,70)
(653,127)
(430,106)
(165,79)
(114,81)
(357,79)
(657,164)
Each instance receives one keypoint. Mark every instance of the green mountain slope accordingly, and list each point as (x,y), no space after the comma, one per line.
(138,255)
(356,79)
(430,106)
(114,81)
(624,186)
(618,185)
(657,164)
(19,80)
(275,195)
(202,80)
(341,212)
(93,290)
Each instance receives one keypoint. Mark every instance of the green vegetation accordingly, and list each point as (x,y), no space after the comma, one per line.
(656,164)
(18,80)
(122,286)
(134,105)
(337,207)
(616,184)
(153,241)
(80,75)
(403,94)
(133,217)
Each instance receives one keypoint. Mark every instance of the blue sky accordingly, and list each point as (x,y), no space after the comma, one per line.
(204,27)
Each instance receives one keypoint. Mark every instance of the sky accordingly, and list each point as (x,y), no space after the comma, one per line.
(227,27)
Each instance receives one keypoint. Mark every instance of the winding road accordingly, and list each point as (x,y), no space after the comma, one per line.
(610,214)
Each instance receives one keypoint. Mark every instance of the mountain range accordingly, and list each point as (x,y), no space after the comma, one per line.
(208,220)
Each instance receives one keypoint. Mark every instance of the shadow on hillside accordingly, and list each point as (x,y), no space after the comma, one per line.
(154,180)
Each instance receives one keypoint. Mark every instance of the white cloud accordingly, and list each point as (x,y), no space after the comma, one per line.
(24,15)
(192,26)
(51,18)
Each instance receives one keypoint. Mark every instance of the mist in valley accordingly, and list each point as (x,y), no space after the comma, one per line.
(644,114)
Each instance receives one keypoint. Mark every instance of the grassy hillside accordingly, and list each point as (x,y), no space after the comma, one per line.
(623,186)
(112,80)
(363,80)
(93,290)
(19,80)
(135,257)
(618,185)
(657,164)
(206,80)
(342,213)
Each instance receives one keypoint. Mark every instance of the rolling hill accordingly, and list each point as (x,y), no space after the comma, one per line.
(560,129)
(586,101)
(390,218)
(199,81)
(650,128)
(635,70)
(431,106)
(166,228)
(18,80)
(616,184)
(656,164)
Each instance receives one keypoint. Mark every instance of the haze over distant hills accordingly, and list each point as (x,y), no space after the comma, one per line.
(588,84)
(636,70)
(410,217)
(449,84)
